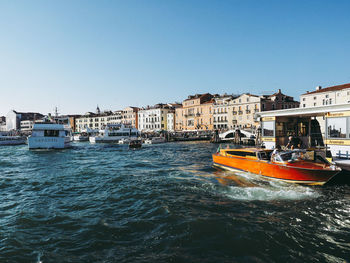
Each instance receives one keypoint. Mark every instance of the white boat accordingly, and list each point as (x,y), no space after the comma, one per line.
(48,135)
(84,134)
(155,140)
(115,133)
(80,137)
(12,140)
(124,141)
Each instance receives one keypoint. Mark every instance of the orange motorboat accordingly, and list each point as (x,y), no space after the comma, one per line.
(298,166)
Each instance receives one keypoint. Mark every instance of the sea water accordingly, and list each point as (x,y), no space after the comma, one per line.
(161,203)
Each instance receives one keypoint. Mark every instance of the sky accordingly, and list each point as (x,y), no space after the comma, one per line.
(76,55)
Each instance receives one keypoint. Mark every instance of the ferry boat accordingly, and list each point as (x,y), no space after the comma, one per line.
(155,140)
(12,140)
(114,133)
(299,166)
(49,135)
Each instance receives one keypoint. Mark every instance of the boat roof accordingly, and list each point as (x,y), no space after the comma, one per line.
(48,126)
(309,111)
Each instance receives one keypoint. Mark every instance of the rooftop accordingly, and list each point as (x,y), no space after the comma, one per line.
(329,89)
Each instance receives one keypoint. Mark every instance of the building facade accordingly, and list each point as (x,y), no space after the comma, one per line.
(14,118)
(129,116)
(242,110)
(153,119)
(170,121)
(221,107)
(326,96)
(97,121)
(195,114)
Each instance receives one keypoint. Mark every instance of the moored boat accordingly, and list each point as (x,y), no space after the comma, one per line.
(135,144)
(80,137)
(48,135)
(155,140)
(12,140)
(114,133)
(302,167)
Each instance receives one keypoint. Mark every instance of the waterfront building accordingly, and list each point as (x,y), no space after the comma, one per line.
(26,126)
(2,123)
(221,108)
(14,118)
(68,121)
(339,94)
(170,121)
(98,120)
(195,114)
(151,119)
(243,108)
(129,116)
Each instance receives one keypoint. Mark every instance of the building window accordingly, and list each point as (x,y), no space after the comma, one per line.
(304,105)
(330,101)
(315,104)
(314,98)
(304,99)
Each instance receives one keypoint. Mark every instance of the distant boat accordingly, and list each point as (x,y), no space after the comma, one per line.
(84,134)
(135,144)
(12,140)
(155,140)
(49,135)
(114,133)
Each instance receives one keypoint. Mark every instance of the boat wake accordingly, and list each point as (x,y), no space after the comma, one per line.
(269,193)
(247,187)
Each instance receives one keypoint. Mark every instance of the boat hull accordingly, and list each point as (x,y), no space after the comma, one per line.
(291,173)
(12,142)
(80,138)
(48,142)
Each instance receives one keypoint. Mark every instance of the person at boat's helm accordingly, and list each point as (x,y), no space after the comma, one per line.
(293,143)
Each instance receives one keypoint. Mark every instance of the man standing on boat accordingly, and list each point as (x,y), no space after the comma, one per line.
(293,143)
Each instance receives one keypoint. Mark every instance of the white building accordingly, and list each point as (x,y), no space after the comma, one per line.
(98,120)
(27,125)
(154,118)
(221,111)
(14,118)
(326,96)
(170,121)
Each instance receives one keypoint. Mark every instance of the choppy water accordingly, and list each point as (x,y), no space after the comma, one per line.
(162,203)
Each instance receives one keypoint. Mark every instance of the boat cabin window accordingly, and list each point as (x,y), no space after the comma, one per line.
(241,153)
(336,127)
(51,133)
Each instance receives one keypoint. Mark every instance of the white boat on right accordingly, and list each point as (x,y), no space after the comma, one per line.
(155,140)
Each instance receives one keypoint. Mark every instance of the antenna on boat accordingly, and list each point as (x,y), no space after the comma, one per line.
(56,112)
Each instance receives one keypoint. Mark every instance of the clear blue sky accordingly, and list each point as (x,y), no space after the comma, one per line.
(77,54)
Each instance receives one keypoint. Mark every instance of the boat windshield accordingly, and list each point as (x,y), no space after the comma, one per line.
(290,156)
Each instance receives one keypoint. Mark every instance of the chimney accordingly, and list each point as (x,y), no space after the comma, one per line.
(279,90)
(318,88)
